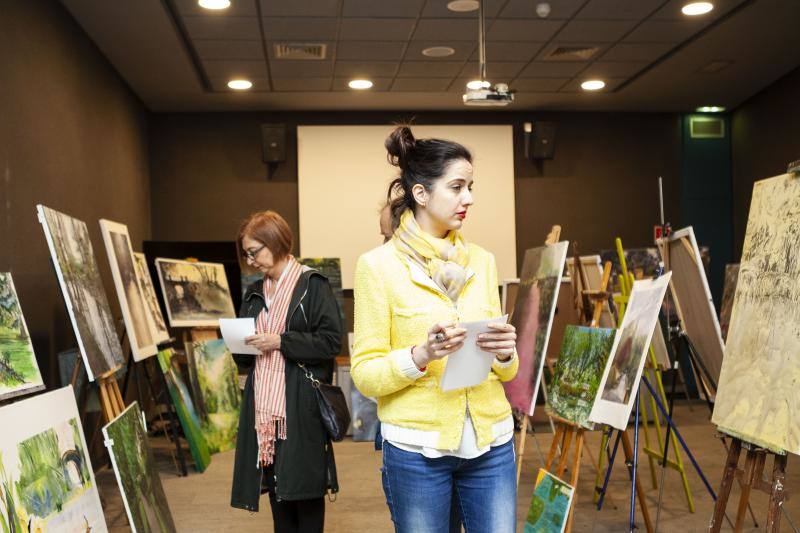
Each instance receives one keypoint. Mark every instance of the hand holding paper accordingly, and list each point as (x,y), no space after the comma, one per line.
(470,365)
(234,331)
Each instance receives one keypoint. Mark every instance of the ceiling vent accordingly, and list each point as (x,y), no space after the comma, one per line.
(571,53)
(302,51)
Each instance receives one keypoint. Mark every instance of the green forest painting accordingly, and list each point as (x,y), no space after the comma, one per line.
(19,372)
(213,376)
(132,458)
(578,372)
(549,505)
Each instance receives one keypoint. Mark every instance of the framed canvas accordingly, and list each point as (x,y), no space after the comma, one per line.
(160,331)
(19,371)
(195,294)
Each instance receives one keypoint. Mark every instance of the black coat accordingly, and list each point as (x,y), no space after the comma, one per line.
(304,467)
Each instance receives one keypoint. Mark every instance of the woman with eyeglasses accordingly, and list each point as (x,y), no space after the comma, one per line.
(282,446)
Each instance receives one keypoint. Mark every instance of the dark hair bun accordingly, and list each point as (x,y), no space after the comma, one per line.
(400,143)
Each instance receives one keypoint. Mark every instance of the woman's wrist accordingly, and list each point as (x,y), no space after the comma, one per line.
(419,356)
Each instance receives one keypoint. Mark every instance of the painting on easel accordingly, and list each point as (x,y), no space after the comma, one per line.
(160,331)
(757,398)
(196,294)
(19,371)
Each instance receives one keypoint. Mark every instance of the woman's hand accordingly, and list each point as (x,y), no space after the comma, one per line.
(265,342)
(501,341)
(443,339)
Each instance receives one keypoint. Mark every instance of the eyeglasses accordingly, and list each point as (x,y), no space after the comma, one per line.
(251,254)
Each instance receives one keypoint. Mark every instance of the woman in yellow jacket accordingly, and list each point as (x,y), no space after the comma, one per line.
(410,296)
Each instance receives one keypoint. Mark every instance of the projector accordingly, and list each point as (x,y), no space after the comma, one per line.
(496,95)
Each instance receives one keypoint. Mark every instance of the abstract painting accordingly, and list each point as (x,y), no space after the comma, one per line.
(728,291)
(196,294)
(87,304)
(617,390)
(331,268)
(364,416)
(19,372)
(129,292)
(533,318)
(137,477)
(160,331)
(578,371)
(46,479)
(550,504)
(187,415)
(692,298)
(758,399)
(213,376)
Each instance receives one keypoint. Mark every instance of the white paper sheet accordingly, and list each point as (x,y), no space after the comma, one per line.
(470,365)
(234,330)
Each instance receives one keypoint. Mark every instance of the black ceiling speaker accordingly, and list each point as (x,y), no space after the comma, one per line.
(544,140)
(273,143)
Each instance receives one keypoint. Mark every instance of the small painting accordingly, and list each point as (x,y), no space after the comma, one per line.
(19,371)
(196,294)
(550,504)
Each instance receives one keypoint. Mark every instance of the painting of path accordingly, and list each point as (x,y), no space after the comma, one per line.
(19,371)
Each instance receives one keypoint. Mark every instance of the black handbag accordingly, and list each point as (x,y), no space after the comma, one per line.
(332,406)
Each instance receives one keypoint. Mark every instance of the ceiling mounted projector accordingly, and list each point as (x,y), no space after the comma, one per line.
(496,95)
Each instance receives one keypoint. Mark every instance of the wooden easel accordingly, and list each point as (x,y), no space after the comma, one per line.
(751,477)
(111,401)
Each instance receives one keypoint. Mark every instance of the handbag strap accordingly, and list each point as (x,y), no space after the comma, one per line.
(314,381)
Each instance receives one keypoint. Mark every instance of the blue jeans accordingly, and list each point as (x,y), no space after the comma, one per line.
(419,490)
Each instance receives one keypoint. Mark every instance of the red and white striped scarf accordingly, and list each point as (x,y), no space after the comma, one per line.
(269,378)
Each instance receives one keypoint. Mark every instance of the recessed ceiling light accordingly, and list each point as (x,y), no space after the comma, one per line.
(438,51)
(710,109)
(214,5)
(240,84)
(593,85)
(697,8)
(475,85)
(360,84)
(463,6)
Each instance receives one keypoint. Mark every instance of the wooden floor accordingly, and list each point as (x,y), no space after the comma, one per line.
(199,502)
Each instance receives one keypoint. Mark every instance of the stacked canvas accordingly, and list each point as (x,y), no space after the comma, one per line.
(19,372)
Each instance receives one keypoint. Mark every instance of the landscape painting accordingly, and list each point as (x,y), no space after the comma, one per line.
(331,268)
(728,291)
(533,317)
(87,304)
(578,371)
(196,294)
(550,504)
(137,477)
(187,415)
(617,390)
(213,376)
(131,298)
(19,371)
(757,399)
(46,479)
(160,332)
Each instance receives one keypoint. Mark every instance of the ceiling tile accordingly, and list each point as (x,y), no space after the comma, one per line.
(443,29)
(223,49)
(306,28)
(382,8)
(302,84)
(522,30)
(427,85)
(665,31)
(221,85)
(636,52)
(601,31)
(494,71)
(438,9)
(366,51)
(614,69)
(539,85)
(574,86)
(283,68)
(237,9)
(372,29)
(299,8)
(379,84)
(509,51)
(559,9)
(233,68)
(462,50)
(429,69)
(328,49)
(367,69)
(222,27)
(552,69)
(618,9)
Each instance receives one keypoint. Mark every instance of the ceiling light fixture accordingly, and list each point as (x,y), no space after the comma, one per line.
(476,85)
(240,84)
(463,6)
(360,84)
(697,8)
(214,5)
(438,51)
(481,92)
(593,85)
(710,109)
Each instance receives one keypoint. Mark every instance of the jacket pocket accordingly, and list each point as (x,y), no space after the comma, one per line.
(410,324)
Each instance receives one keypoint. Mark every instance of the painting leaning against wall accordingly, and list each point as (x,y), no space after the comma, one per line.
(19,372)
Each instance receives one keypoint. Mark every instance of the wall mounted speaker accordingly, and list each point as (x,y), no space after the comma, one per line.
(544,140)
(273,143)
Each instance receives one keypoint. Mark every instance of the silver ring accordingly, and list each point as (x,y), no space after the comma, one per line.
(440,338)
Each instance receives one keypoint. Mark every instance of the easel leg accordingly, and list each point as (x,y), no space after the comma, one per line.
(749,476)
(777,494)
(551,455)
(576,466)
(602,491)
(599,476)
(521,448)
(562,461)
(731,465)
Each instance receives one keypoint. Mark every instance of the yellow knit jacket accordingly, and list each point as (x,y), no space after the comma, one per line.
(395,305)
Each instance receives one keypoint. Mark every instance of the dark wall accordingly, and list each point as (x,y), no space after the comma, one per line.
(207,173)
(72,137)
(765,139)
